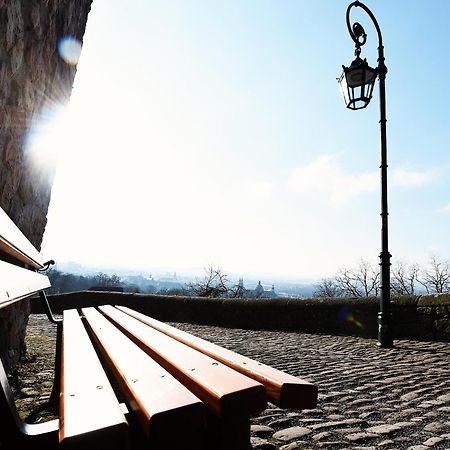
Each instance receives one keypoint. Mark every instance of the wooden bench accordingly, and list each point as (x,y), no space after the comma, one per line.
(125,380)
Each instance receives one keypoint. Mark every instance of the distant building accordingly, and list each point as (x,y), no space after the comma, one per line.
(240,291)
(270,293)
(169,278)
(259,290)
(261,293)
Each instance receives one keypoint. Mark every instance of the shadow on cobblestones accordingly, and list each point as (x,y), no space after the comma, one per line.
(424,349)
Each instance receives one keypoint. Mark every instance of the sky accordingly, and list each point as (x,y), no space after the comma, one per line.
(213,133)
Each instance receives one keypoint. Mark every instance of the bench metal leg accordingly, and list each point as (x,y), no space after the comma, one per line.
(54,396)
(56,389)
(230,434)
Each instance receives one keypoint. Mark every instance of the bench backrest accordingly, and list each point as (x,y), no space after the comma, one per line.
(19,261)
(19,279)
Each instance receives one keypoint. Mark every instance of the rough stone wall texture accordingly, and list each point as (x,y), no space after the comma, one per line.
(424,317)
(34,80)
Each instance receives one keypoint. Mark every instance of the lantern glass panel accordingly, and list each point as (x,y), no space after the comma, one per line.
(344,88)
(357,82)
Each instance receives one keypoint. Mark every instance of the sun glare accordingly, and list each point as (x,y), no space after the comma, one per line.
(51,129)
(48,136)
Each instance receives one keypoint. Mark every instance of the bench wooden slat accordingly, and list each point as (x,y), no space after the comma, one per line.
(14,243)
(226,392)
(90,413)
(17,283)
(282,389)
(161,403)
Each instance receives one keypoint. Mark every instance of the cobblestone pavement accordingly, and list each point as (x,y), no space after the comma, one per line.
(369,398)
(33,381)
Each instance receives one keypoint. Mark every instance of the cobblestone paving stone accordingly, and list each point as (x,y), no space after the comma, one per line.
(368,398)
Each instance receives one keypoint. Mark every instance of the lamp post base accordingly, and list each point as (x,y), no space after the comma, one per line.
(385,339)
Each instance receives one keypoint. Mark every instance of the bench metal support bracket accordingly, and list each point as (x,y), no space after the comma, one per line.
(54,396)
(48,310)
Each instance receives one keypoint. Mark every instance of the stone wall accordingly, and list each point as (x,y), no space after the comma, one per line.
(34,82)
(424,317)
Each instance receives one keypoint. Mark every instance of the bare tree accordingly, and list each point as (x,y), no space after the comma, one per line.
(363,281)
(327,288)
(436,277)
(214,284)
(103,279)
(236,291)
(404,278)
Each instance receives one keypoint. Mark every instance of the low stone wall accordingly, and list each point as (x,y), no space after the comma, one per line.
(416,317)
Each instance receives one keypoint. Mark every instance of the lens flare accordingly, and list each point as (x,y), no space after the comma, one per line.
(345,314)
(69,49)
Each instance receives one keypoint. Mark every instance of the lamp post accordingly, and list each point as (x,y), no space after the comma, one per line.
(357,82)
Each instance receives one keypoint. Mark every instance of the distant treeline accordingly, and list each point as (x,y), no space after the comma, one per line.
(406,279)
(63,282)
(215,284)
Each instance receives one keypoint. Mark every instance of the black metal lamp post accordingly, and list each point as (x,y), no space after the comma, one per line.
(357,82)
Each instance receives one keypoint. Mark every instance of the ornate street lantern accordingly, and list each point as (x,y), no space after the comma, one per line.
(357,82)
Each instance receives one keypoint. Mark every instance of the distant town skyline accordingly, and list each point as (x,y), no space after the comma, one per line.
(271,287)
(213,133)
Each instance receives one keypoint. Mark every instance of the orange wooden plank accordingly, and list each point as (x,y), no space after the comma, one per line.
(90,414)
(17,283)
(282,389)
(15,243)
(161,403)
(226,392)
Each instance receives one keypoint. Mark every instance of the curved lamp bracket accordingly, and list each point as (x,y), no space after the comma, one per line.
(357,32)
(358,35)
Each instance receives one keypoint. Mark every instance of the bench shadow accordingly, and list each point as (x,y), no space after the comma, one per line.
(422,349)
(42,413)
